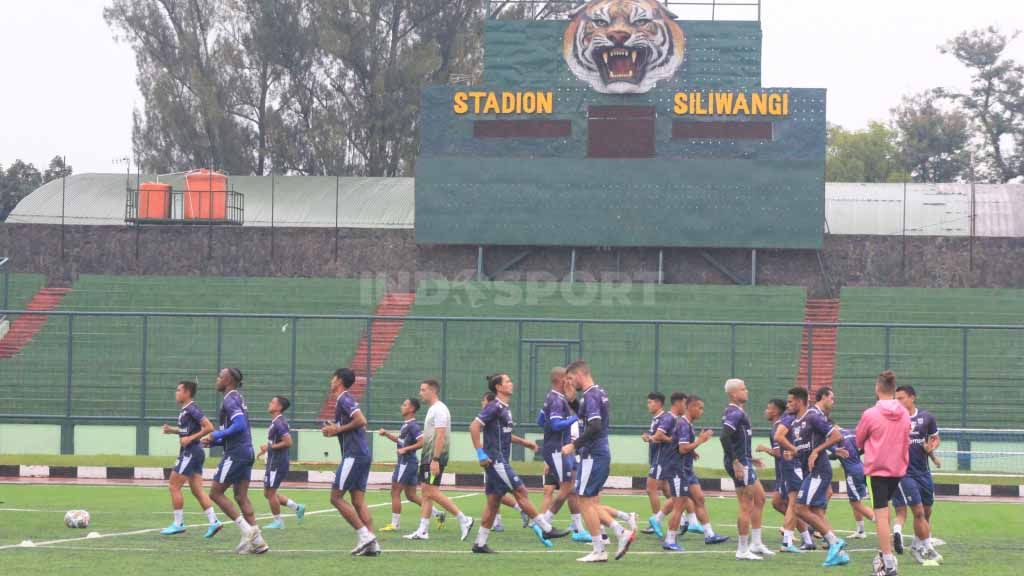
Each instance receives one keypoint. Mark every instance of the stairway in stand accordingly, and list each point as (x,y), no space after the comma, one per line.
(27,326)
(375,347)
(823,361)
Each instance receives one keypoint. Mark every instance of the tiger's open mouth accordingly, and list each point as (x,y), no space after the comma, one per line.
(622,64)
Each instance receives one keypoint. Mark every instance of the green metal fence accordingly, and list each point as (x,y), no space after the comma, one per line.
(87,368)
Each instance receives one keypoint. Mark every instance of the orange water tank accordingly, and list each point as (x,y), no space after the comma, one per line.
(206,196)
(154,201)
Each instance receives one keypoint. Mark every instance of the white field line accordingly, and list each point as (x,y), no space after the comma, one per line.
(47,543)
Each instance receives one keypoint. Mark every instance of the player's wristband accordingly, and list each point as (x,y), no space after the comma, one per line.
(481,455)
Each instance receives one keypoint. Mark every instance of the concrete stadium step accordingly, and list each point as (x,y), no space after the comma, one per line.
(823,361)
(375,345)
(24,329)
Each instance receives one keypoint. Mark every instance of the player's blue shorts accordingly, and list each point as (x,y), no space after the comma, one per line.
(914,490)
(500,478)
(814,490)
(190,461)
(273,476)
(234,468)
(406,473)
(659,472)
(749,475)
(856,486)
(592,475)
(791,478)
(352,474)
(680,482)
(560,468)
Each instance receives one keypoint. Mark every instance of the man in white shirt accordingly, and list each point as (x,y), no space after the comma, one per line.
(436,443)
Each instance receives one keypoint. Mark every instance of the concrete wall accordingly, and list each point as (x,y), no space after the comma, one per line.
(229,251)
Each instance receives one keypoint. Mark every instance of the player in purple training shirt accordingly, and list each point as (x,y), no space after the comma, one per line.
(856,483)
(279,443)
(789,475)
(595,463)
(404,479)
(813,435)
(739,463)
(349,427)
(192,425)
(491,432)
(235,467)
(659,454)
(561,427)
(917,490)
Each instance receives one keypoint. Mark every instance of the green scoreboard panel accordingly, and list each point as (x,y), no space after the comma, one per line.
(622,127)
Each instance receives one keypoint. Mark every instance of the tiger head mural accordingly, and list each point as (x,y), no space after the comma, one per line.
(623,46)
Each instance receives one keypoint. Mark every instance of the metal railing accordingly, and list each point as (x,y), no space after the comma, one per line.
(120,367)
(5,285)
(692,9)
(185,207)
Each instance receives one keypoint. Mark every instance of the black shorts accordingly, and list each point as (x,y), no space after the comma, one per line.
(882,491)
(424,472)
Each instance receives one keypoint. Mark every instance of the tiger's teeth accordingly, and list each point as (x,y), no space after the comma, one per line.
(633,55)
(605,57)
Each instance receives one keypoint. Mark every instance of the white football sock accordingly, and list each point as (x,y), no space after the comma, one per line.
(709,532)
(462,517)
(897,528)
(831,537)
(481,536)
(211,515)
(518,507)
(396,519)
(691,518)
(548,516)
(424,525)
(277,518)
(620,515)
(179,517)
(755,537)
(806,535)
(744,543)
(544,524)
(659,516)
(670,536)
(364,534)
(577,522)
(860,526)
(598,544)
(787,537)
(497,520)
(619,530)
(292,504)
(242,524)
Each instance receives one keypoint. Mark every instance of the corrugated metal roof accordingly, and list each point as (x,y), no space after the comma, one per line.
(99,199)
(309,201)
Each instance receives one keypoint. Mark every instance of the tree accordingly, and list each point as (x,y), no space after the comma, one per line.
(294,86)
(931,142)
(995,101)
(18,181)
(868,155)
(57,169)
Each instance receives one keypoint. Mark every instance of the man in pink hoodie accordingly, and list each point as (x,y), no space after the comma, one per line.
(883,433)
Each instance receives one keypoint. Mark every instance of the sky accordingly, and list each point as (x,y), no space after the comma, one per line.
(69,87)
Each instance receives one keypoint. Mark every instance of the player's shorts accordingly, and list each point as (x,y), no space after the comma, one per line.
(679,483)
(234,468)
(914,490)
(592,475)
(424,472)
(814,490)
(856,487)
(406,474)
(352,474)
(272,477)
(749,475)
(500,479)
(659,472)
(190,461)
(791,478)
(560,468)
(883,489)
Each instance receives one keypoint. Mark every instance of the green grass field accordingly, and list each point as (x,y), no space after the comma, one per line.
(983,539)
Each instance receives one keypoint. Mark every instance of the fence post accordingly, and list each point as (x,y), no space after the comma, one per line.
(657,352)
(732,350)
(7,285)
(294,383)
(579,337)
(810,357)
(963,443)
(888,337)
(444,360)
(142,429)
(67,429)
(369,372)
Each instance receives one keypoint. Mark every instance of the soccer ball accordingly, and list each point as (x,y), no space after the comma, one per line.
(76,519)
